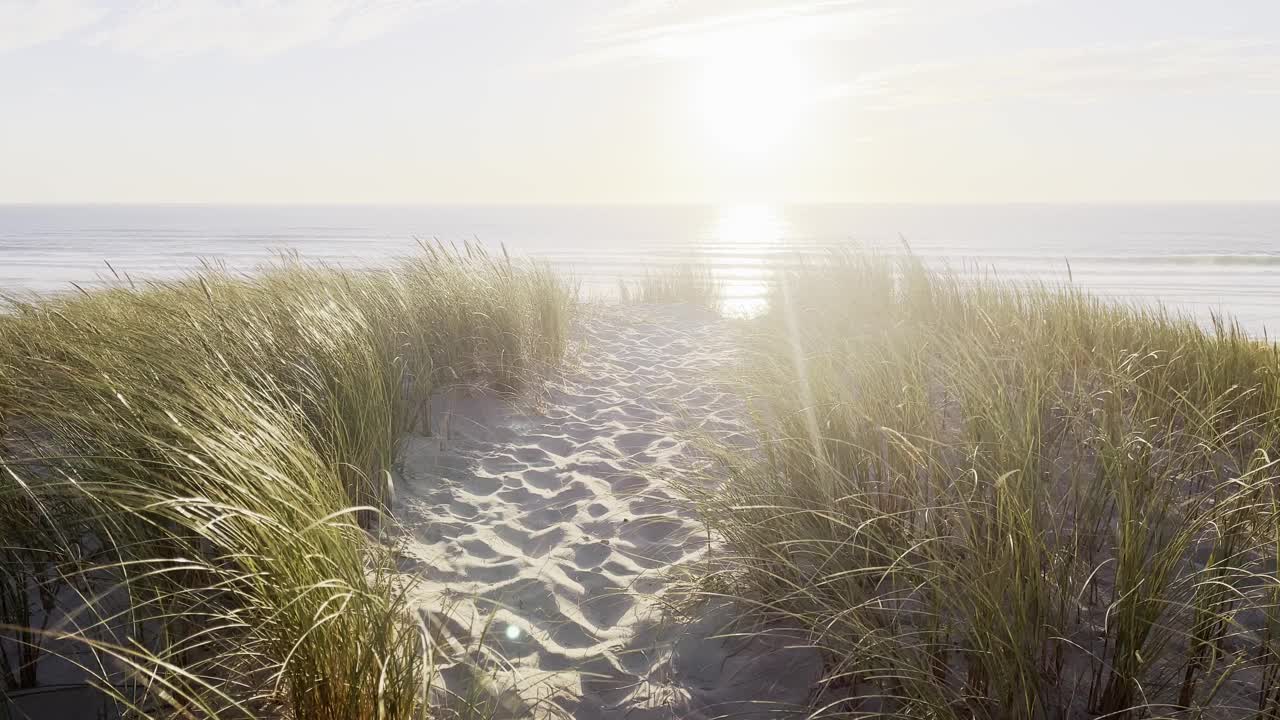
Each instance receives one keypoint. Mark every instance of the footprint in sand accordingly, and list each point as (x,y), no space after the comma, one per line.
(591,555)
(553,532)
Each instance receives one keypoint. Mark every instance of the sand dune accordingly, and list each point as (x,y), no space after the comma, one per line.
(542,537)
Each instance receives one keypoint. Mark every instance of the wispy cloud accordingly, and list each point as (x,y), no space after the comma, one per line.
(27,23)
(652,30)
(1078,75)
(251,29)
(669,30)
(173,28)
(656,30)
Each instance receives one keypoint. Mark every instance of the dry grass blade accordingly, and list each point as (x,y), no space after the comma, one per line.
(1001,501)
(193,468)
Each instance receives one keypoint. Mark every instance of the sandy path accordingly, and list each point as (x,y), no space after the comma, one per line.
(547,533)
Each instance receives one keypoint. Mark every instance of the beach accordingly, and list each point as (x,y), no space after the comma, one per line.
(639,360)
(548,545)
(550,534)
(459,489)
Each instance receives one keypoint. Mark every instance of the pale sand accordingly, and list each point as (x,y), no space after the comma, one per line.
(549,533)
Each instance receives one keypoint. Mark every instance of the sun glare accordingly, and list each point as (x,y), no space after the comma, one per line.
(750,225)
(743,231)
(751,93)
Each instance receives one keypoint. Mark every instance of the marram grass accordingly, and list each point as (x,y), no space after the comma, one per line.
(190,472)
(998,501)
(686,283)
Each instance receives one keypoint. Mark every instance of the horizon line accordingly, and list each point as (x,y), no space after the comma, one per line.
(626,203)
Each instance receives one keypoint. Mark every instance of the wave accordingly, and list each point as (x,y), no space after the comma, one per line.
(1149,260)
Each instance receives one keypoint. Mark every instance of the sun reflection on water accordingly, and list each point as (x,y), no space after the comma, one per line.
(742,238)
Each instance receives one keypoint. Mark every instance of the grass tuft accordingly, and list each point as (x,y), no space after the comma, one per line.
(997,501)
(688,283)
(191,471)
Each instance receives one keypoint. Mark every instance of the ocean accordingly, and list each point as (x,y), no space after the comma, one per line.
(1196,259)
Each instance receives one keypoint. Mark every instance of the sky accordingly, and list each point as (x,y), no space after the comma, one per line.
(639,101)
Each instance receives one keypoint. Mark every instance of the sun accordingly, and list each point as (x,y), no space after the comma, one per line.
(751,93)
